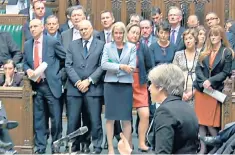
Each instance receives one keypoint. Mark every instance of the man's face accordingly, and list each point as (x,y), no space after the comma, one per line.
(135,20)
(106,20)
(36,28)
(212,20)
(52,25)
(192,22)
(146,29)
(39,9)
(157,18)
(77,16)
(174,17)
(85,30)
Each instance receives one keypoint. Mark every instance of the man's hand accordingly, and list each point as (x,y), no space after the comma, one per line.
(30,73)
(83,86)
(124,146)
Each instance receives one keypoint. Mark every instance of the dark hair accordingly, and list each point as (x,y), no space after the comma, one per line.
(155,10)
(164,25)
(78,7)
(10,61)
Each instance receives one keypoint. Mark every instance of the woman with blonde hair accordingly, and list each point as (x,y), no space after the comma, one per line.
(119,62)
(187,61)
(213,67)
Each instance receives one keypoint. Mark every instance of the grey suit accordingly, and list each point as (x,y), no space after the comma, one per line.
(80,67)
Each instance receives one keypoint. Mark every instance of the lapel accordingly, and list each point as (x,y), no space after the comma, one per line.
(102,36)
(31,52)
(114,51)
(44,45)
(207,59)
(218,58)
(92,47)
(70,35)
(124,51)
(80,46)
(179,36)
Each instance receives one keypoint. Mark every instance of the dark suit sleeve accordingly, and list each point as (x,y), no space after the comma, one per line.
(14,49)
(147,59)
(25,60)
(164,132)
(72,75)
(226,70)
(95,76)
(59,50)
(2,80)
(199,74)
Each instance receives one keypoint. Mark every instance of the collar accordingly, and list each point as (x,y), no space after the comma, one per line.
(176,29)
(172,98)
(39,39)
(70,24)
(89,40)
(54,36)
(106,31)
(76,31)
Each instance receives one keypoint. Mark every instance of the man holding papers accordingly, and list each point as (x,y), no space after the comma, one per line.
(44,52)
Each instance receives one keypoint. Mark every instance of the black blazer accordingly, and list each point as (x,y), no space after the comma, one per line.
(101,36)
(17,80)
(145,62)
(175,128)
(179,43)
(220,70)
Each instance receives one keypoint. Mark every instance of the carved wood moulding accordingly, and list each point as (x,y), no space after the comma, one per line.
(145,8)
(116,7)
(131,8)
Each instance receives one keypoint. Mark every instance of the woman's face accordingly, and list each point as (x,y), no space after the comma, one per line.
(155,93)
(201,37)
(134,34)
(215,39)
(9,70)
(189,41)
(163,35)
(118,35)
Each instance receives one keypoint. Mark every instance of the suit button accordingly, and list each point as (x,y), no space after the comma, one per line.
(83,66)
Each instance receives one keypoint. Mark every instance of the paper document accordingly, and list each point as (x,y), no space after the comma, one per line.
(12,9)
(216,94)
(38,71)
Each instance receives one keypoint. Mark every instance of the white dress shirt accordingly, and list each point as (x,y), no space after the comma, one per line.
(76,34)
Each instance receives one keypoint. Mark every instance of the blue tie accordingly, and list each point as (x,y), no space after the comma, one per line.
(85,47)
(173,37)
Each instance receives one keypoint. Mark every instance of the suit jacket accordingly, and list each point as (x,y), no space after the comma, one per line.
(179,43)
(151,39)
(175,127)
(111,62)
(52,52)
(58,37)
(17,80)
(64,27)
(27,33)
(80,67)
(218,73)
(101,36)
(67,37)
(145,62)
(9,49)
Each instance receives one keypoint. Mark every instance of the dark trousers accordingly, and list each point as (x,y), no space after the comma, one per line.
(43,93)
(93,108)
(227,133)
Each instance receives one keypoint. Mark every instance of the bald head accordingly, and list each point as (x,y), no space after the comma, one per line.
(36,28)
(85,29)
(192,21)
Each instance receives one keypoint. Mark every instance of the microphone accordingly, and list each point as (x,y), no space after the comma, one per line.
(78,132)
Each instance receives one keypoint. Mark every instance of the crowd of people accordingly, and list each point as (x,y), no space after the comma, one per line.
(154,65)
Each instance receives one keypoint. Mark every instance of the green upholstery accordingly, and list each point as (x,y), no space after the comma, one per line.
(15,31)
(2,11)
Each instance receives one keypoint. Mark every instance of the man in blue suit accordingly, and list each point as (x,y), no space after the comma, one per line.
(48,87)
(85,87)
(52,27)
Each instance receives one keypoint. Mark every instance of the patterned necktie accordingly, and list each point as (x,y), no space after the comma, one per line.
(85,47)
(173,37)
(146,41)
(36,57)
(108,37)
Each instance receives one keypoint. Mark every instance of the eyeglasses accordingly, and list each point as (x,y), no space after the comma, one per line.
(207,20)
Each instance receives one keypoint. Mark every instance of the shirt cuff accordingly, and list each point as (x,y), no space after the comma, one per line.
(77,83)
(90,80)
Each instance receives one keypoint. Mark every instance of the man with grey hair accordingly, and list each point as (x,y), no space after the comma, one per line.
(52,27)
(193,21)
(135,18)
(174,18)
(146,32)
(175,125)
(68,24)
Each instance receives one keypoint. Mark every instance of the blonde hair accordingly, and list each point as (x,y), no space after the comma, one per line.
(215,30)
(120,25)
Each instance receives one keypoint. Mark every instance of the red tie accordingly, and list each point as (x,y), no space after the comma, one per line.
(36,57)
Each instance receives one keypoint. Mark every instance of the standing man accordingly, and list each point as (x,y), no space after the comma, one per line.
(193,21)
(48,87)
(68,24)
(146,32)
(107,20)
(52,27)
(84,85)
(135,18)
(174,18)
(156,18)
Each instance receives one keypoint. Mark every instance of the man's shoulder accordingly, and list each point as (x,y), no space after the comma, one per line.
(66,32)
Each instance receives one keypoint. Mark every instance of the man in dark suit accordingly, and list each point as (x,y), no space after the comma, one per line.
(48,86)
(9,49)
(39,11)
(146,32)
(107,20)
(29,11)
(156,14)
(84,85)
(52,27)
(174,18)
(68,24)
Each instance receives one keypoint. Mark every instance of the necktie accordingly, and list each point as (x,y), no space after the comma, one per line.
(85,47)
(146,41)
(36,57)
(108,37)
(173,37)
